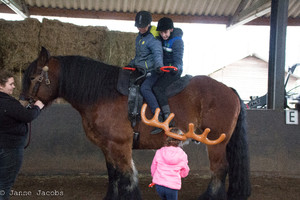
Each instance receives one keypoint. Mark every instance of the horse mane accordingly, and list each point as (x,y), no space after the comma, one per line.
(26,76)
(85,81)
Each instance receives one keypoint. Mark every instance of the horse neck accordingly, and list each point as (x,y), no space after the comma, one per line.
(85,82)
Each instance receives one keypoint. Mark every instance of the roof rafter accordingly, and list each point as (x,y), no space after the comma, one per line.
(244,15)
(18,6)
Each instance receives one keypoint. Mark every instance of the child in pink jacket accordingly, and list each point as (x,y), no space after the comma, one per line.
(169,165)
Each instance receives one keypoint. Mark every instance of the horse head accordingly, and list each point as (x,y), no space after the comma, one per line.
(40,80)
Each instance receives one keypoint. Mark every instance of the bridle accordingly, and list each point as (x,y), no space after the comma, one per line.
(32,97)
(38,80)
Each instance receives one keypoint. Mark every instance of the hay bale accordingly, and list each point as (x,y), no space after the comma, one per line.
(68,39)
(120,48)
(112,47)
(19,43)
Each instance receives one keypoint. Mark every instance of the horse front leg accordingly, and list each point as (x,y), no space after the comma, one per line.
(216,189)
(122,174)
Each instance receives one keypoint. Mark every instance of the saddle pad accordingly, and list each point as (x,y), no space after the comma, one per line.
(178,85)
(123,82)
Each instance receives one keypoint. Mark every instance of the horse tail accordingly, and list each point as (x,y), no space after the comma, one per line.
(238,159)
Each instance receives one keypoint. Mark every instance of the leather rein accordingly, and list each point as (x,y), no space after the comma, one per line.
(32,98)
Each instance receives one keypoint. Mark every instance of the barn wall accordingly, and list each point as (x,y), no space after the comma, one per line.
(59,146)
(249,76)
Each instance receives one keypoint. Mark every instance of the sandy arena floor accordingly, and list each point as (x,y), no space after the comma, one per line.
(94,187)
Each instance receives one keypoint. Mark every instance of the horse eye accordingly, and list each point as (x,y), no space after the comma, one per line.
(32,78)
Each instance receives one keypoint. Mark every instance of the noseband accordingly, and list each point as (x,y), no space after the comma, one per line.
(38,80)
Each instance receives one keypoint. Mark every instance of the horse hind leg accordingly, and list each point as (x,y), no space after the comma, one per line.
(216,189)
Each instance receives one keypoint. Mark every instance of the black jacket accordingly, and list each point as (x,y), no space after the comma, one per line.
(13,121)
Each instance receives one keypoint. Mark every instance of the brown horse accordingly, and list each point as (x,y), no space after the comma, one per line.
(90,87)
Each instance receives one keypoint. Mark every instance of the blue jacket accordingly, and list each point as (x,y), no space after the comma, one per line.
(148,50)
(173,49)
(13,121)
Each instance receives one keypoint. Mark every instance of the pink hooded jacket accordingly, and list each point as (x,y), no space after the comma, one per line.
(169,165)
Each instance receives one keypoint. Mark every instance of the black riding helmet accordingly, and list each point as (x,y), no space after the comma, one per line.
(164,24)
(143,19)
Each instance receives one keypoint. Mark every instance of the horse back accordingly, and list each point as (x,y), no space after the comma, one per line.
(208,104)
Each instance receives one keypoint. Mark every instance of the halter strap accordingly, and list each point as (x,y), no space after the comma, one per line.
(39,79)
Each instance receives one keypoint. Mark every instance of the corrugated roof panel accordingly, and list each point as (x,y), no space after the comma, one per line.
(232,8)
(228,8)
(111,5)
(82,4)
(176,8)
(294,8)
(187,6)
(153,7)
(210,8)
(216,7)
(97,5)
(182,6)
(139,6)
(199,7)
(124,5)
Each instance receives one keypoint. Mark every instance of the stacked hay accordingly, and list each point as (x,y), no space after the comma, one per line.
(21,41)
(19,46)
(115,48)
(68,39)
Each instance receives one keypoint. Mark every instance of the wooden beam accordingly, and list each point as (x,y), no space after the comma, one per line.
(122,15)
(244,15)
(17,6)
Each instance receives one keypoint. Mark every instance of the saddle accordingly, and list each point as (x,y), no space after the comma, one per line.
(129,83)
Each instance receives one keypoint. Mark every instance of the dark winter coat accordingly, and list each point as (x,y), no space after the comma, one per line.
(173,49)
(13,121)
(148,50)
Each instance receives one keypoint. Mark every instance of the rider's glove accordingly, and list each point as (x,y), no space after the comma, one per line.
(158,70)
(174,71)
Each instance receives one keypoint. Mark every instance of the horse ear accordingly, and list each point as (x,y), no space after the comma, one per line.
(43,57)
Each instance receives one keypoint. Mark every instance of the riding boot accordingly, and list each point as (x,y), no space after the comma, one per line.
(157,130)
(166,111)
(172,123)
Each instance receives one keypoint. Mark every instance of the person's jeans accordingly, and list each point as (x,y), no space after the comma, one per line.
(10,164)
(146,90)
(166,193)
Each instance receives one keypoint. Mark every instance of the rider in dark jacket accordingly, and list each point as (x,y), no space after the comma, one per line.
(173,54)
(149,56)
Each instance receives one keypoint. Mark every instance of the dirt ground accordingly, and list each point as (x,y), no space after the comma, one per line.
(87,187)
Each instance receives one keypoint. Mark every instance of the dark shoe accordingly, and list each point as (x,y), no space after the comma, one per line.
(172,123)
(157,130)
